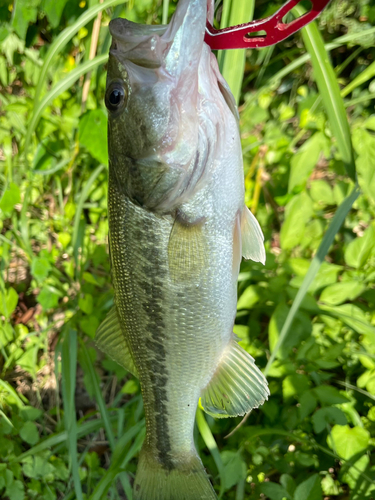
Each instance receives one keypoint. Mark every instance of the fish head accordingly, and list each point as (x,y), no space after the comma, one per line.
(151,97)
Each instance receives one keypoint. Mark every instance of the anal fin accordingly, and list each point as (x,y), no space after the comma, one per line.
(237,386)
(111,340)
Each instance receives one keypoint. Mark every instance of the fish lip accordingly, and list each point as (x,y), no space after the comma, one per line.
(124,30)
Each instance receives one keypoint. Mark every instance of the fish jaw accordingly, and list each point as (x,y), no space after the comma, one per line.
(153,136)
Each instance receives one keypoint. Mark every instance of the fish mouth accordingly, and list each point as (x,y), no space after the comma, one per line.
(150,46)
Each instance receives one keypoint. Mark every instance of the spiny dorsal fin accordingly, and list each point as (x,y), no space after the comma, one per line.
(237,386)
(252,238)
(186,249)
(111,340)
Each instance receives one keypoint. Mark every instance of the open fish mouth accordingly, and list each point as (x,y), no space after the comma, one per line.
(152,46)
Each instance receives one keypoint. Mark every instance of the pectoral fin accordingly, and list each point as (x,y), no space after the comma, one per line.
(237,386)
(111,340)
(252,237)
(186,250)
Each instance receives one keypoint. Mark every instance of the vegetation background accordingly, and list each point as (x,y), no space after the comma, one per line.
(71,421)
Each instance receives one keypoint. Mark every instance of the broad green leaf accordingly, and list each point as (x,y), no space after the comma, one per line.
(29,433)
(47,298)
(330,92)
(364,144)
(8,302)
(274,491)
(248,298)
(16,490)
(321,193)
(309,489)
(328,395)
(11,197)
(304,161)
(24,13)
(359,250)
(298,212)
(347,441)
(40,267)
(53,9)
(93,134)
(295,385)
(341,292)
(328,416)
(235,468)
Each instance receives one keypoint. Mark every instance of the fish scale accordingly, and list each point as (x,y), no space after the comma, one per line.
(177,228)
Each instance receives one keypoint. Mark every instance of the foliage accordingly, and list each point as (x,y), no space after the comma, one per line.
(70,419)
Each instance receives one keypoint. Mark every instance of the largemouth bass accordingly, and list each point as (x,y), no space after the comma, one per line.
(178,228)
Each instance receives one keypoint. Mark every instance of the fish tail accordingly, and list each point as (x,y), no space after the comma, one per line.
(187,480)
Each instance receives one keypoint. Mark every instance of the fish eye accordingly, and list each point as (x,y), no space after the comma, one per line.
(115,97)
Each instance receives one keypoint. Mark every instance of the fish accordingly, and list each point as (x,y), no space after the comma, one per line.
(178,228)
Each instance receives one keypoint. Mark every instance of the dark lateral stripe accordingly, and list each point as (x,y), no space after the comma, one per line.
(154,271)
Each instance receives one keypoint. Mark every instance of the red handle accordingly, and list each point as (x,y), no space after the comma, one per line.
(239,37)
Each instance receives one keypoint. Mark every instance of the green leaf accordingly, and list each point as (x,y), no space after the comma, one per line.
(328,416)
(248,298)
(297,213)
(8,302)
(364,144)
(309,489)
(24,13)
(235,468)
(341,292)
(86,303)
(347,441)
(11,197)
(295,385)
(359,250)
(53,9)
(29,433)
(16,491)
(328,395)
(40,267)
(329,91)
(274,491)
(321,193)
(47,298)
(304,161)
(30,413)
(93,134)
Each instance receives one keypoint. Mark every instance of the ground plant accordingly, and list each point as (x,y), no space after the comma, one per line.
(71,419)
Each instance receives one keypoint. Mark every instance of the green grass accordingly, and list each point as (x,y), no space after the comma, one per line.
(71,420)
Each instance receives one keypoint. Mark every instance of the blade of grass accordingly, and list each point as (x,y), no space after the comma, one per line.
(329,89)
(120,458)
(63,85)
(210,442)
(68,372)
(362,78)
(233,61)
(77,217)
(165,11)
(333,229)
(64,38)
(90,371)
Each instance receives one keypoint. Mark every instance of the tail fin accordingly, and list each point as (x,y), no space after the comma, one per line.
(188,481)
